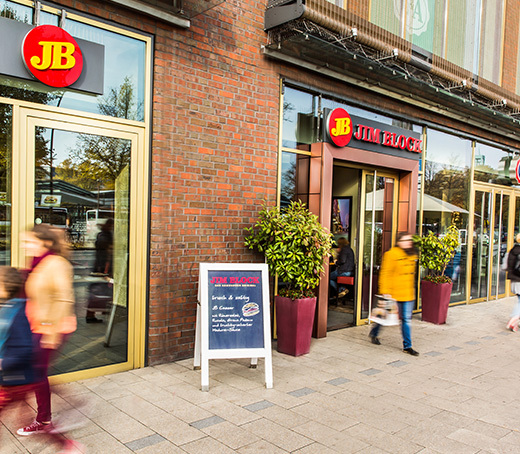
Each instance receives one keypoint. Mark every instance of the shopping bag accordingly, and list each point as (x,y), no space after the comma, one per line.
(385,313)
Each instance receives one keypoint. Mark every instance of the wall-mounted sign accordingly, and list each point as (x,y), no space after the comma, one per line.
(517,171)
(343,129)
(52,56)
(233,316)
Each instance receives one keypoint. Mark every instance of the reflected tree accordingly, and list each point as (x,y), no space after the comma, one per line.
(288,189)
(446,182)
(96,161)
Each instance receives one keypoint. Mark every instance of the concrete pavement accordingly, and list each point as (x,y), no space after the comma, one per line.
(346,396)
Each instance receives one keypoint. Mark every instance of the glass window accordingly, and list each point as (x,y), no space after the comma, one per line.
(124,74)
(295,178)
(494,165)
(446,197)
(15,11)
(48,19)
(83,187)
(300,119)
(124,83)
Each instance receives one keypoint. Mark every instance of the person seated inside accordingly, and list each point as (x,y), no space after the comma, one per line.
(345,265)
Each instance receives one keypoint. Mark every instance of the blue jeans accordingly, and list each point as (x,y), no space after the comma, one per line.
(334,278)
(405,314)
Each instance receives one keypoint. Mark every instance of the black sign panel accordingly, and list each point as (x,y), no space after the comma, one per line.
(235,309)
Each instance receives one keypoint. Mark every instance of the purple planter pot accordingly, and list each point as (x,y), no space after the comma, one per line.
(435,301)
(294,320)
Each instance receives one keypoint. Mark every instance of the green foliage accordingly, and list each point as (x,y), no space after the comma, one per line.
(294,244)
(436,252)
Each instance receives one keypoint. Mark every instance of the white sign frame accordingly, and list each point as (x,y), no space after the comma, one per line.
(202,353)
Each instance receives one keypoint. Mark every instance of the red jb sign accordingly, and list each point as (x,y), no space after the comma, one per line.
(340,127)
(52,56)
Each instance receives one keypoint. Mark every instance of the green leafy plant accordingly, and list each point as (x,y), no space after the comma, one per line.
(435,252)
(294,244)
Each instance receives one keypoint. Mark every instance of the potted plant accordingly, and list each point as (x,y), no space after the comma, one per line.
(295,245)
(435,253)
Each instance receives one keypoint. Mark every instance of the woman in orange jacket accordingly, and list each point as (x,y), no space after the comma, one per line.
(50,310)
(397,280)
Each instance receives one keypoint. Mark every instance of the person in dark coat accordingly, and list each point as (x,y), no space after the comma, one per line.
(101,293)
(345,265)
(513,274)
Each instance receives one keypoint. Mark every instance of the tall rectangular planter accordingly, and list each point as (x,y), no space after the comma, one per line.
(294,320)
(435,301)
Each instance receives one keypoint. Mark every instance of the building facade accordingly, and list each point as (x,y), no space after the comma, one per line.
(188,115)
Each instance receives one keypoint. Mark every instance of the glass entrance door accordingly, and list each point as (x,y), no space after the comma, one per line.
(378,218)
(492,233)
(85,178)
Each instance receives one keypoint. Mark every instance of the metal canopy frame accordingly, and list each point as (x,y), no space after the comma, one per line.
(329,54)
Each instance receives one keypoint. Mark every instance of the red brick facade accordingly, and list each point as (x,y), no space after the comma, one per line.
(214,147)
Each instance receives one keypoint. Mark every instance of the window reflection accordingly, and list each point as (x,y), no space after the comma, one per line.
(82,186)
(295,178)
(16,11)
(446,182)
(494,165)
(299,119)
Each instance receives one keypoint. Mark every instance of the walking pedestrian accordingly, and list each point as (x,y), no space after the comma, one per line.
(513,274)
(50,310)
(397,281)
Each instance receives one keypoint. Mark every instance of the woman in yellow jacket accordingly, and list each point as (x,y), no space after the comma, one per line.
(397,281)
(50,310)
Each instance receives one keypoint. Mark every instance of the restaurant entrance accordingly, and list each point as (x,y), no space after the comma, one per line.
(364,213)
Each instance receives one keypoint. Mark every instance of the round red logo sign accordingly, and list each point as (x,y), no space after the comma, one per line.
(517,171)
(339,127)
(52,56)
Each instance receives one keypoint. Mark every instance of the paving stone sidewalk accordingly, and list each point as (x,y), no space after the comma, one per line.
(346,396)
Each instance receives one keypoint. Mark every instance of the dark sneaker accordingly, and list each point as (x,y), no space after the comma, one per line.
(411,351)
(35,428)
(375,340)
(93,320)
